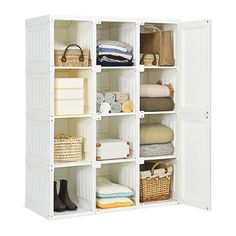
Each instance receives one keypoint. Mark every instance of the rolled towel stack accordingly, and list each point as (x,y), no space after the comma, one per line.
(156,140)
(156,97)
(113,102)
(114,53)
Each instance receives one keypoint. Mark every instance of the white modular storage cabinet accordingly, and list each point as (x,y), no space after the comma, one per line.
(190,119)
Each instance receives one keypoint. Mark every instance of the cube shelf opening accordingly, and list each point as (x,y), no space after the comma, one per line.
(87,76)
(151,27)
(77,127)
(165,119)
(118,81)
(73,32)
(166,76)
(120,127)
(148,164)
(79,187)
(118,31)
(120,173)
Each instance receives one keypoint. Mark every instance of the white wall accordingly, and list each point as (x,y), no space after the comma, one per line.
(173,220)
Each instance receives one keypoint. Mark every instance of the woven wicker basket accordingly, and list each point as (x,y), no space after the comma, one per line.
(71,57)
(155,188)
(149,59)
(68,149)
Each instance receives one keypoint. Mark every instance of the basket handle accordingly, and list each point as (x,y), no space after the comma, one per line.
(154,62)
(81,57)
(157,164)
(150,26)
(62,136)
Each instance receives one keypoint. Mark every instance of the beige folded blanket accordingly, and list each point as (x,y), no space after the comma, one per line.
(155,133)
(154,90)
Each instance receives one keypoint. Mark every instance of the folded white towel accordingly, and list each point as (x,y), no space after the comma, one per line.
(111,44)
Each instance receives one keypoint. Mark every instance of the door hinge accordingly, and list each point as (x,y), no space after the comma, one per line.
(141,114)
(141,68)
(98,116)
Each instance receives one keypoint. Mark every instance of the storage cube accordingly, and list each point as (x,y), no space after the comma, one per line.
(69,93)
(64,83)
(69,107)
(69,96)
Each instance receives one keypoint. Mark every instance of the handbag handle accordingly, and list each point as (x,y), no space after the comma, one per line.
(81,57)
(150,26)
(157,164)
(154,62)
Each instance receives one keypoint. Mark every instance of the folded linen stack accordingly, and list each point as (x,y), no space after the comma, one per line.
(113,102)
(156,140)
(114,53)
(111,195)
(156,97)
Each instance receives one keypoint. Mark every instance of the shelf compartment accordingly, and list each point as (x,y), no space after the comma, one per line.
(152,76)
(163,27)
(79,188)
(73,32)
(120,173)
(119,81)
(165,119)
(173,191)
(87,75)
(118,127)
(119,31)
(78,127)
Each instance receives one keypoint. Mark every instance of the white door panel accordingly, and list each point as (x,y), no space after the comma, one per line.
(194,113)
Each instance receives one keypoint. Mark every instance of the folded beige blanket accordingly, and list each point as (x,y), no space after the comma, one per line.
(154,90)
(155,133)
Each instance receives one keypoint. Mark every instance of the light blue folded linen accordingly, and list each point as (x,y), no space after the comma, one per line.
(122,46)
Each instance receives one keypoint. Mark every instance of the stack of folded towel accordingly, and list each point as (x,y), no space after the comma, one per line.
(156,140)
(156,97)
(110,195)
(113,102)
(114,53)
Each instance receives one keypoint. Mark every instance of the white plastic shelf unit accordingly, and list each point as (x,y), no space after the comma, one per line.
(190,119)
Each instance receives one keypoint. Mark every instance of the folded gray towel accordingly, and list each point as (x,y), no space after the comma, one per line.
(115,107)
(159,149)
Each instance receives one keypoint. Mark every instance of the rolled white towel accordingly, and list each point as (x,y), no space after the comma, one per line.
(105,108)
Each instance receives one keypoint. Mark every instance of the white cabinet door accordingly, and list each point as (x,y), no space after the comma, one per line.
(194,63)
